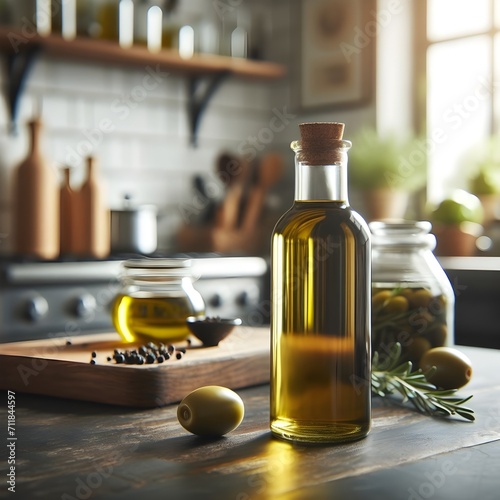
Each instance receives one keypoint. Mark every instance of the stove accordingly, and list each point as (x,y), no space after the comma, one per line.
(68,298)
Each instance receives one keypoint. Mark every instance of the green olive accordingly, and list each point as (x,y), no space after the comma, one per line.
(397,304)
(416,348)
(453,368)
(379,298)
(437,335)
(420,298)
(211,411)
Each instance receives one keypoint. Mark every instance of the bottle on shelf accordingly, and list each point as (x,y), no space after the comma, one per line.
(208,36)
(239,36)
(321,281)
(64,18)
(107,19)
(126,23)
(148,25)
(36,202)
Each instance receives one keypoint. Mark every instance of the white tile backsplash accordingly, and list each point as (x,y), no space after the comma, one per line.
(144,147)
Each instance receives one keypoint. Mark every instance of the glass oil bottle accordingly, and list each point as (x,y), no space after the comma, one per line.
(321,281)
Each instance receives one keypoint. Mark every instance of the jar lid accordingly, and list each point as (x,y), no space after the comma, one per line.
(160,263)
(403,233)
(157,269)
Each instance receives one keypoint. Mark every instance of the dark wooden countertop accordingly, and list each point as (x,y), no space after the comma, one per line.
(73,450)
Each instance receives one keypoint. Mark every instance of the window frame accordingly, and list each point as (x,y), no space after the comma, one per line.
(421,50)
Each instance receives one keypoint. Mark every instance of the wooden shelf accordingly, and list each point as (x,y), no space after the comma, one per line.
(103,51)
(22,50)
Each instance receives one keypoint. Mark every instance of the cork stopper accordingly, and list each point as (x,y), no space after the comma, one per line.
(320,134)
(321,142)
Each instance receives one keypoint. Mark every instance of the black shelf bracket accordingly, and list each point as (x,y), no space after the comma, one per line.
(18,66)
(200,91)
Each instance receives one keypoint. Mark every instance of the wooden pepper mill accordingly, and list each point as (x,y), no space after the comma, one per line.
(91,217)
(36,203)
(67,227)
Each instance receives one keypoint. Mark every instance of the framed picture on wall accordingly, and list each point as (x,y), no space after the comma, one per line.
(337,48)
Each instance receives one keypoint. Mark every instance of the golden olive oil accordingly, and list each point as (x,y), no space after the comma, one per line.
(320,350)
(143,317)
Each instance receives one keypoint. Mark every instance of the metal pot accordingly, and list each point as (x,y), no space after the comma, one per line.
(134,229)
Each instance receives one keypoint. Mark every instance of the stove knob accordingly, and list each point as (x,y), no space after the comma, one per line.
(243,299)
(216,300)
(36,308)
(85,305)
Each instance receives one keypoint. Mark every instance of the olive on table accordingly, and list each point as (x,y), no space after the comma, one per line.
(453,368)
(211,411)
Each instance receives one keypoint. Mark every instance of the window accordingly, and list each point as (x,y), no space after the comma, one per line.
(462,68)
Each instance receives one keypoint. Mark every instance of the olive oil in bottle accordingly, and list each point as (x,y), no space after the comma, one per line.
(321,287)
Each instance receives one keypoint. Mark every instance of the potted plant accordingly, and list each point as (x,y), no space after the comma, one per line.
(457,224)
(386,169)
(485,182)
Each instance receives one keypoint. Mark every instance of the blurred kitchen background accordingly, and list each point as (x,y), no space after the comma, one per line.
(416,83)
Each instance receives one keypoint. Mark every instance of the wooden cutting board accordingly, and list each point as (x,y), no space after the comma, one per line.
(53,368)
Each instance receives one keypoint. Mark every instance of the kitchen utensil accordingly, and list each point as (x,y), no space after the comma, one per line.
(211,331)
(52,368)
(270,171)
(207,202)
(134,228)
(234,172)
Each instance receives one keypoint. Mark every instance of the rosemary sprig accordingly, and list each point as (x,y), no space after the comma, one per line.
(389,376)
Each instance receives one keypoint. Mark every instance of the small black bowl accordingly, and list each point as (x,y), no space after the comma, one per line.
(211,330)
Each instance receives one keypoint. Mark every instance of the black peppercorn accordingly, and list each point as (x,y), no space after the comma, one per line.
(120,358)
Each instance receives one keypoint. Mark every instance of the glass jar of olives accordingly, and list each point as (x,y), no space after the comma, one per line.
(412,298)
(156,298)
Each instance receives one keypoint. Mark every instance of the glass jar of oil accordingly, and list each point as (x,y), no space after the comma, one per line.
(412,298)
(156,298)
